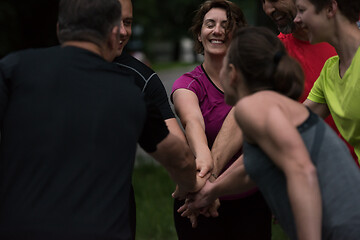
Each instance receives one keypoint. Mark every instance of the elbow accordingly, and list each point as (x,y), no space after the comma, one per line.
(307,172)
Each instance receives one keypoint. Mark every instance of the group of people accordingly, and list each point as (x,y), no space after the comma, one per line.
(302,168)
(254,142)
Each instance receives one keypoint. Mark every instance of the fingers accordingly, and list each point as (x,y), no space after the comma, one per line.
(213,209)
(193,220)
(178,194)
(204,171)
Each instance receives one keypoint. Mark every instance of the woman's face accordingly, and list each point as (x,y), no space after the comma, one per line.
(213,35)
(315,23)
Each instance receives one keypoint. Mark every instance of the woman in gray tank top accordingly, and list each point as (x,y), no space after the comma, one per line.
(304,171)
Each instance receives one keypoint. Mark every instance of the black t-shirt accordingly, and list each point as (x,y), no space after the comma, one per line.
(69,126)
(148,81)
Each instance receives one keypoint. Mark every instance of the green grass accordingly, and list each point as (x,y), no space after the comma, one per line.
(154,204)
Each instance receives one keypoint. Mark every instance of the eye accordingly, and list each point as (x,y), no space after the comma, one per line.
(210,24)
(225,25)
(300,10)
(127,22)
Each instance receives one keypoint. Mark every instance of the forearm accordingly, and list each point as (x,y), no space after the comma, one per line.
(320,109)
(178,160)
(175,129)
(234,180)
(227,143)
(305,199)
(196,138)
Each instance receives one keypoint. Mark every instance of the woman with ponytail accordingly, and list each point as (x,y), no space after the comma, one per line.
(304,171)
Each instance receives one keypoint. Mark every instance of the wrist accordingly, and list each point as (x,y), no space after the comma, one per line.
(213,177)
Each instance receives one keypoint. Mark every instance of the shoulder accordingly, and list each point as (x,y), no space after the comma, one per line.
(195,76)
(254,112)
(331,62)
(133,66)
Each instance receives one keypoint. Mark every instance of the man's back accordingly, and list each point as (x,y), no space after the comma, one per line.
(68,139)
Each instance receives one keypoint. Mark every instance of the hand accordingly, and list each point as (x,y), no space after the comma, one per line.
(200,182)
(202,198)
(209,211)
(204,164)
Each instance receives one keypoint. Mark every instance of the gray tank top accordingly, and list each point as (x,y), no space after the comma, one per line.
(338,175)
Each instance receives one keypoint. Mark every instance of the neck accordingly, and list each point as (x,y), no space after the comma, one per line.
(346,40)
(301,34)
(212,65)
(92,47)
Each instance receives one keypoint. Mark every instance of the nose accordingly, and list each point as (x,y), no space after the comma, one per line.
(122,29)
(297,19)
(268,8)
(218,29)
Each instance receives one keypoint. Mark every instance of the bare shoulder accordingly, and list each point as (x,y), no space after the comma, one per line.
(253,112)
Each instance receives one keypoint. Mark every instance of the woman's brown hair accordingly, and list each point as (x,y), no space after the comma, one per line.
(263,61)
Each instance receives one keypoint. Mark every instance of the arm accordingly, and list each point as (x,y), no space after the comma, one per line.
(178,160)
(227,143)
(187,107)
(233,181)
(175,129)
(320,109)
(271,129)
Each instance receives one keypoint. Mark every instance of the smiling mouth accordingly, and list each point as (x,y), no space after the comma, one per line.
(217,41)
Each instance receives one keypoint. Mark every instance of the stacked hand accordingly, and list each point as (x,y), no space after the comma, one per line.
(202,201)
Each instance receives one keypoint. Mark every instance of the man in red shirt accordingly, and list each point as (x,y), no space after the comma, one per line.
(295,39)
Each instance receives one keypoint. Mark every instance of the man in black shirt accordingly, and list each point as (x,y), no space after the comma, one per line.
(149,83)
(69,129)
(147,80)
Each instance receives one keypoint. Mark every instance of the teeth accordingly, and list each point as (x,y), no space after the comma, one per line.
(216,41)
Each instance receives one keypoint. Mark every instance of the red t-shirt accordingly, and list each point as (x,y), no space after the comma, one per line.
(312,58)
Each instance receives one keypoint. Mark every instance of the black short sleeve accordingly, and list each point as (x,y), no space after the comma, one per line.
(155,129)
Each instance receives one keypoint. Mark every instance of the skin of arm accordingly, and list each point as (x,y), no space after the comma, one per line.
(270,128)
(320,109)
(227,143)
(175,129)
(187,108)
(179,161)
(233,181)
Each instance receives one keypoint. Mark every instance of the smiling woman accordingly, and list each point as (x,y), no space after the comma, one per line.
(198,99)
(334,21)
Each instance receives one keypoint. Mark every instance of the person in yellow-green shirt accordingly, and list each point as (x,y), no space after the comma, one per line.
(337,90)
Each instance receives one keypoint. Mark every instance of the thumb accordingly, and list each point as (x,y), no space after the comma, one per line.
(203,172)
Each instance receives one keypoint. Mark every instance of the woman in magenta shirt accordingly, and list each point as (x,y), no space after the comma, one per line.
(199,102)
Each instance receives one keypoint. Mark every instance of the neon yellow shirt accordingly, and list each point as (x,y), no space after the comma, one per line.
(342,96)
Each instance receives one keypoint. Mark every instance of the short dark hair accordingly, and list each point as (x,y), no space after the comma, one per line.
(233,12)
(263,61)
(349,8)
(87,20)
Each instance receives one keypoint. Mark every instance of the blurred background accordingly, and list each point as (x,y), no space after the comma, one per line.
(160,28)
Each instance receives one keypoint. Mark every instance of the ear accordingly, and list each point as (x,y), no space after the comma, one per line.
(233,76)
(332,9)
(199,38)
(114,38)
